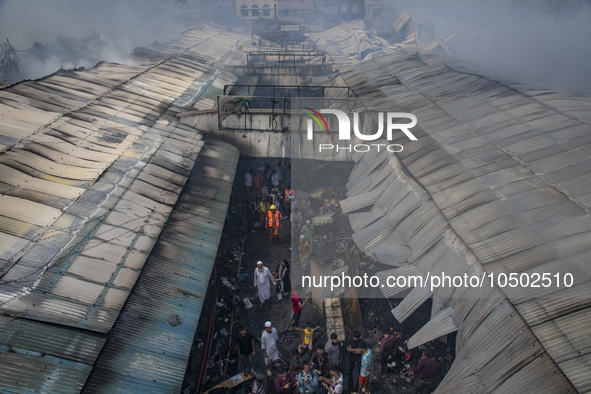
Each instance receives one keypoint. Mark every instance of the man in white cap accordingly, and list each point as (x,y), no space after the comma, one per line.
(269,340)
(262,281)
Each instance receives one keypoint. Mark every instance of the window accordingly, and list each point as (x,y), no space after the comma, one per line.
(244,11)
(255,10)
(266,10)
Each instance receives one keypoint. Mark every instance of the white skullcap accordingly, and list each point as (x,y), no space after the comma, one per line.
(307,221)
(303,236)
(259,262)
(268,324)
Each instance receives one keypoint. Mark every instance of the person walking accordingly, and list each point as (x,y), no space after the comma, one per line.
(273,224)
(276,198)
(305,251)
(267,176)
(269,341)
(262,281)
(332,349)
(251,213)
(387,348)
(354,354)
(257,183)
(308,337)
(295,240)
(245,347)
(248,182)
(296,217)
(297,305)
(274,178)
(425,372)
(280,171)
(263,208)
(282,279)
(366,369)
(289,197)
(308,232)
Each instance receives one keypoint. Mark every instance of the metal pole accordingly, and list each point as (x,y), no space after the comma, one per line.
(233,308)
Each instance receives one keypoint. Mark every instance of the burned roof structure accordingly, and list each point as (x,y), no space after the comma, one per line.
(97,245)
(496,183)
(115,183)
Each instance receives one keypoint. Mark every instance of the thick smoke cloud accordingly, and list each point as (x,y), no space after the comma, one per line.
(540,42)
(120,26)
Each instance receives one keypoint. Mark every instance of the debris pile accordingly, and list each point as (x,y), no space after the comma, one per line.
(314,213)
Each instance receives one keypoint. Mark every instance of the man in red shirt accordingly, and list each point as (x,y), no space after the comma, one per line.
(425,372)
(297,305)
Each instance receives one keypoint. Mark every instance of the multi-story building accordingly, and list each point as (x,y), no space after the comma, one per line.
(251,10)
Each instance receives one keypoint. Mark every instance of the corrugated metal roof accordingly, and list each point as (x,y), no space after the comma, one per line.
(92,163)
(490,181)
(350,41)
(441,324)
(145,353)
(59,361)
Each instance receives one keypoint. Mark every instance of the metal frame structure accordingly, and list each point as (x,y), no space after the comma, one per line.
(271,106)
(299,90)
(9,61)
(288,58)
(293,45)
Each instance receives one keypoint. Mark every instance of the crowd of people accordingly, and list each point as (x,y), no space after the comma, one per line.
(314,367)
(317,369)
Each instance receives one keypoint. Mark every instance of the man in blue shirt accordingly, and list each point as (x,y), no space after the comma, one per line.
(366,369)
(307,380)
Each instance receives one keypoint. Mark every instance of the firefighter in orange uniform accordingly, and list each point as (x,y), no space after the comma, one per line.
(273,223)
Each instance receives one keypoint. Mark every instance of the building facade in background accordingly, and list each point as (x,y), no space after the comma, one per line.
(327,13)
(250,10)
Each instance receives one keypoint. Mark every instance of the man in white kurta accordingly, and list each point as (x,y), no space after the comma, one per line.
(262,281)
(269,345)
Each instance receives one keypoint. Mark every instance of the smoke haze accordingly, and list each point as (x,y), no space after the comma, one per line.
(119,26)
(540,42)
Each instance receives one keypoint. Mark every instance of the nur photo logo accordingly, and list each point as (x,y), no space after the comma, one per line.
(344,129)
